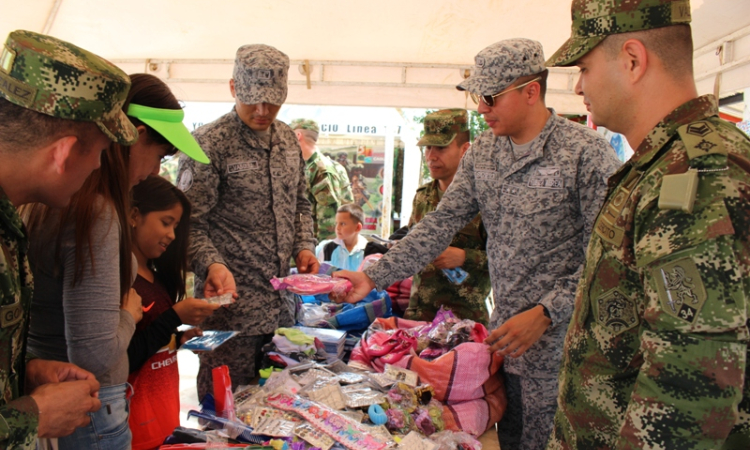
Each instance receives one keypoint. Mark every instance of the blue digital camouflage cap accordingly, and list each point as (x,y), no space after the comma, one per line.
(260,75)
(57,78)
(594,20)
(499,65)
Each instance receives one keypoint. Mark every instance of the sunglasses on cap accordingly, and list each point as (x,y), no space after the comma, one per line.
(489,100)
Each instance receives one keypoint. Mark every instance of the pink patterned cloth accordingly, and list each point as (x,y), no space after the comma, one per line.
(465,378)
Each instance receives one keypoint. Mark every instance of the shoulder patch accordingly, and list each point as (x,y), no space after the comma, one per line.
(698,129)
(701,138)
(616,312)
(681,290)
(186,180)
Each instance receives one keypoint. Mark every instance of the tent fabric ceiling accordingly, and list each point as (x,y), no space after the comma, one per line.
(386,53)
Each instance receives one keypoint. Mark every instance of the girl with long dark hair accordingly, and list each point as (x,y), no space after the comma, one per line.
(83,310)
(160,223)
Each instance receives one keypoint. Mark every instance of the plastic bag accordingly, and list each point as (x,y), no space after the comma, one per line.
(312,315)
(455,440)
(209,341)
(311,284)
(223,398)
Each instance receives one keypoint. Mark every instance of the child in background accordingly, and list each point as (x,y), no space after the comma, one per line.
(160,221)
(348,249)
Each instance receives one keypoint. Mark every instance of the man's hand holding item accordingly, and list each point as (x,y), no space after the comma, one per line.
(362,285)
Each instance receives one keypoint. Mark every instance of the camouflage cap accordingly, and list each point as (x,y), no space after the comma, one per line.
(441,127)
(594,20)
(502,63)
(260,75)
(54,77)
(304,124)
(308,125)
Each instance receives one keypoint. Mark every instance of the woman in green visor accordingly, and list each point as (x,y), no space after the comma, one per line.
(84,310)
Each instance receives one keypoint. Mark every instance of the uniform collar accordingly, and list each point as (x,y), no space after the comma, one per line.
(313,158)
(251,137)
(536,151)
(435,192)
(9,216)
(695,109)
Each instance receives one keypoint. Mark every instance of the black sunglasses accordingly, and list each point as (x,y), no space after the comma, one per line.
(489,100)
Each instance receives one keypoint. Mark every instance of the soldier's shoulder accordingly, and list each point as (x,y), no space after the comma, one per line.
(425,187)
(712,136)
(214,130)
(486,138)
(283,130)
(326,165)
(575,133)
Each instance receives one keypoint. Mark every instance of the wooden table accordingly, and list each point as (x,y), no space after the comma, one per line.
(489,440)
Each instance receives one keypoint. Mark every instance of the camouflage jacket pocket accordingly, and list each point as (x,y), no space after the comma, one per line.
(521,200)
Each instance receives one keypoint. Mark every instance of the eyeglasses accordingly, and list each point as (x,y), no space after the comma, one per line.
(489,100)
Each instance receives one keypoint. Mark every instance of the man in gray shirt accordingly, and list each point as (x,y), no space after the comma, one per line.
(250,213)
(538,180)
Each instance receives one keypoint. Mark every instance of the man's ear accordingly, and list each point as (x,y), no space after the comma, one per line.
(231,87)
(465,148)
(635,59)
(359,227)
(298,133)
(61,151)
(533,92)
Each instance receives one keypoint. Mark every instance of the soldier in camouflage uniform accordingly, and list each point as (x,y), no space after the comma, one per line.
(656,355)
(326,190)
(59,107)
(250,213)
(343,176)
(538,180)
(343,161)
(446,139)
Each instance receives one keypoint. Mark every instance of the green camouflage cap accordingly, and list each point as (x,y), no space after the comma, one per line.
(260,75)
(308,125)
(499,65)
(594,20)
(59,79)
(304,124)
(441,127)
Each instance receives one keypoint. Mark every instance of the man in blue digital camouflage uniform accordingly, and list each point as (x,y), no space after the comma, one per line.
(538,180)
(250,213)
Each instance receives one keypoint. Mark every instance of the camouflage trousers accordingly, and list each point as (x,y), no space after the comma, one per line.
(529,416)
(242,354)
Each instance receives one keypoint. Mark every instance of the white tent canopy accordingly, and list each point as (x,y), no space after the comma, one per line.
(403,53)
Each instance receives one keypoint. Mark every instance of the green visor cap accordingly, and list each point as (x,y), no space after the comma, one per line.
(168,123)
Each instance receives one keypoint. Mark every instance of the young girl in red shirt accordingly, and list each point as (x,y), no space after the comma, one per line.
(159,220)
